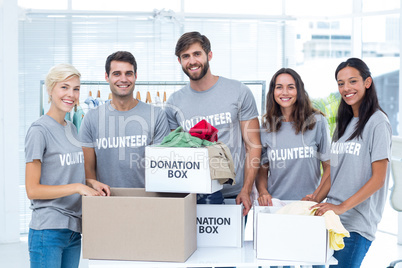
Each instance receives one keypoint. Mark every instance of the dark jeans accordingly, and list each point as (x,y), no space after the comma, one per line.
(214,198)
(352,255)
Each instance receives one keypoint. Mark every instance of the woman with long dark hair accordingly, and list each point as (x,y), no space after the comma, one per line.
(295,140)
(360,158)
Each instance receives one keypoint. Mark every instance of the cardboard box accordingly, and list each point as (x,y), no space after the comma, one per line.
(220,225)
(292,238)
(178,170)
(132,224)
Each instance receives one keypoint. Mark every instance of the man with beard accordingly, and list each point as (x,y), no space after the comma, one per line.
(226,104)
(114,135)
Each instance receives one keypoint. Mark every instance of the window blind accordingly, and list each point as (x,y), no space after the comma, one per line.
(242,50)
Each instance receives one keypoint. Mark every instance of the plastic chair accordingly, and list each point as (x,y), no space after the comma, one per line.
(396,169)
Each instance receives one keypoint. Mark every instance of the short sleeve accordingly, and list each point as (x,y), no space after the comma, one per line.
(247,106)
(161,127)
(380,144)
(35,144)
(85,133)
(264,149)
(264,156)
(324,143)
(171,111)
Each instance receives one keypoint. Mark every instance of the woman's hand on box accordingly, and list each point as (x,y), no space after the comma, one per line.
(244,198)
(324,207)
(103,189)
(265,199)
(82,189)
(309,197)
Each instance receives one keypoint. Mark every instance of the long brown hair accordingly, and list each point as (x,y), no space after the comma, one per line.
(303,112)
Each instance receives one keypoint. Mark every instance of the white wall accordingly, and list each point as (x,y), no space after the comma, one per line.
(9,125)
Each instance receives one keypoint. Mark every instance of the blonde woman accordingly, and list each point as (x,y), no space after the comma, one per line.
(55,177)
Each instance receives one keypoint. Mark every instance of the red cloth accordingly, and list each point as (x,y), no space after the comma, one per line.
(205,131)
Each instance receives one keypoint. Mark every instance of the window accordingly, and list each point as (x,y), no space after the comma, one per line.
(249,42)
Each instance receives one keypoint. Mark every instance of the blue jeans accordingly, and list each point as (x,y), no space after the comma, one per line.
(54,248)
(214,198)
(352,255)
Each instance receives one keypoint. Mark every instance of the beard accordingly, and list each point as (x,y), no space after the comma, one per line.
(194,77)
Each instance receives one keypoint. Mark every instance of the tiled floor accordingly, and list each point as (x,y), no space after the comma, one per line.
(383,250)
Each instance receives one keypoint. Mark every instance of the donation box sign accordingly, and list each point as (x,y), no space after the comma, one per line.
(178,170)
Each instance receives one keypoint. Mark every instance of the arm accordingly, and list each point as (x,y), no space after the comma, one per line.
(325,185)
(324,149)
(264,199)
(90,171)
(171,112)
(375,183)
(35,190)
(250,130)
(322,190)
(161,129)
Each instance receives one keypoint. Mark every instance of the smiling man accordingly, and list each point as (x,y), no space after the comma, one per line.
(226,104)
(115,134)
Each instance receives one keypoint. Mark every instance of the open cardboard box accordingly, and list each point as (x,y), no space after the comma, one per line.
(132,224)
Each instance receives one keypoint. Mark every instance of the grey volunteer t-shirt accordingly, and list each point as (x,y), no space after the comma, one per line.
(224,105)
(119,139)
(294,159)
(60,152)
(351,168)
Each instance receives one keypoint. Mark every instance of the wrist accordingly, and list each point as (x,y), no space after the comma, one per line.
(265,192)
(90,182)
(265,196)
(245,191)
(76,188)
(343,207)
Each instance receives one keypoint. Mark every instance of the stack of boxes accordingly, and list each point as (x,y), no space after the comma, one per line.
(161,222)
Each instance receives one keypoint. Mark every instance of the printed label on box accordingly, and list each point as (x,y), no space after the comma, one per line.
(220,226)
(180,170)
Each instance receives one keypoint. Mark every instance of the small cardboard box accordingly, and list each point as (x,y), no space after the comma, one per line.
(220,225)
(178,170)
(292,238)
(132,224)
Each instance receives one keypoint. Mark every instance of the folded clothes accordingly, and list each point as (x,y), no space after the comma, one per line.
(180,138)
(332,221)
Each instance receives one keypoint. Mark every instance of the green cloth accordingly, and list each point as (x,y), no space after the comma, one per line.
(179,138)
(68,116)
(77,117)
